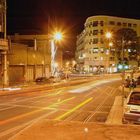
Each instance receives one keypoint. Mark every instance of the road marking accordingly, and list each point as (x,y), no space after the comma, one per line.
(33,112)
(31,98)
(57,93)
(60,102)
(100,105)
(74,109)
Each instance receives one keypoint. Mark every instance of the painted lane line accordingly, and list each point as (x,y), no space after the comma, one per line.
(63,101)
(94,99)
(31,113)
(28,99)
(74,109)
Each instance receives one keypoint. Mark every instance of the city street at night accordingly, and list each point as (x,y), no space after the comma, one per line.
(87,102)
(69,70)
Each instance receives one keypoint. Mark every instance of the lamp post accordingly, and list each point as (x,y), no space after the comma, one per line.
(57,37)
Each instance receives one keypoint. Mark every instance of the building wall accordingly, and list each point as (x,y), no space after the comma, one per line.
(30,55)
(92,46)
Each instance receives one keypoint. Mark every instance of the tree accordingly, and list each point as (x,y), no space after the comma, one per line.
(128,38)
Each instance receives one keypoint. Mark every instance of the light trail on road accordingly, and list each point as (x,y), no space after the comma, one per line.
(58,103)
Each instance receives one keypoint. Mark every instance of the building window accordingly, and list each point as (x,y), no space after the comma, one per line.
(95,32)
(95,50)
(135,25)
(90,41)
(111,58)
(101,41)
(95,41)
(111,22)
(124,24)
(129,25)
(102,32)
(102,23)
(90,33)
(95,23)
(119,23)
(101,58)
(101,50)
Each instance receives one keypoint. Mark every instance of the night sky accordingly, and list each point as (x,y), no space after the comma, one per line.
(42,16)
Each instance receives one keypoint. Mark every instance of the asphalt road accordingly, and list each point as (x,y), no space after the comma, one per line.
(86,102)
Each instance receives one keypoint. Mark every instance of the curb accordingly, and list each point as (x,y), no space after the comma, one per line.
(116,112)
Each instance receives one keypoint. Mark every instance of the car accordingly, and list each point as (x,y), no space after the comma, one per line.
(131,113)
(41,80)
(138,80)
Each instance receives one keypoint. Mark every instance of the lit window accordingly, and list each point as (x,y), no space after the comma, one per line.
(95,50)
(101,58)
(102,50)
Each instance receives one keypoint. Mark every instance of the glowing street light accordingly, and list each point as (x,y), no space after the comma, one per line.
(108,35)
(110,44)
(57,37)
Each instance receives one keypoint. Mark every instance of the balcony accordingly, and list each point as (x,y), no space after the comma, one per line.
(3,44)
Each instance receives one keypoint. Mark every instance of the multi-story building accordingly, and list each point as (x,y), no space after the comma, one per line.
(29,57)
(93,48)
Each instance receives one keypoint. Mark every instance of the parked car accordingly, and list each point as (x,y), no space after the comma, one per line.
(41,80)
(138,80)
(131,112)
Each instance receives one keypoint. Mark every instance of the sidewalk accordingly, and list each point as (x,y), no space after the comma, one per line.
(53,130)
(116,112)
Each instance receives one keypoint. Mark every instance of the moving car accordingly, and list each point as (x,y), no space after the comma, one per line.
(132,108)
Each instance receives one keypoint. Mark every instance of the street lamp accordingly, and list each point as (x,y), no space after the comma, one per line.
(57,37)
(108,35)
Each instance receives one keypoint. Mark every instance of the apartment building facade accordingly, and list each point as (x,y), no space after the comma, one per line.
(93,48)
